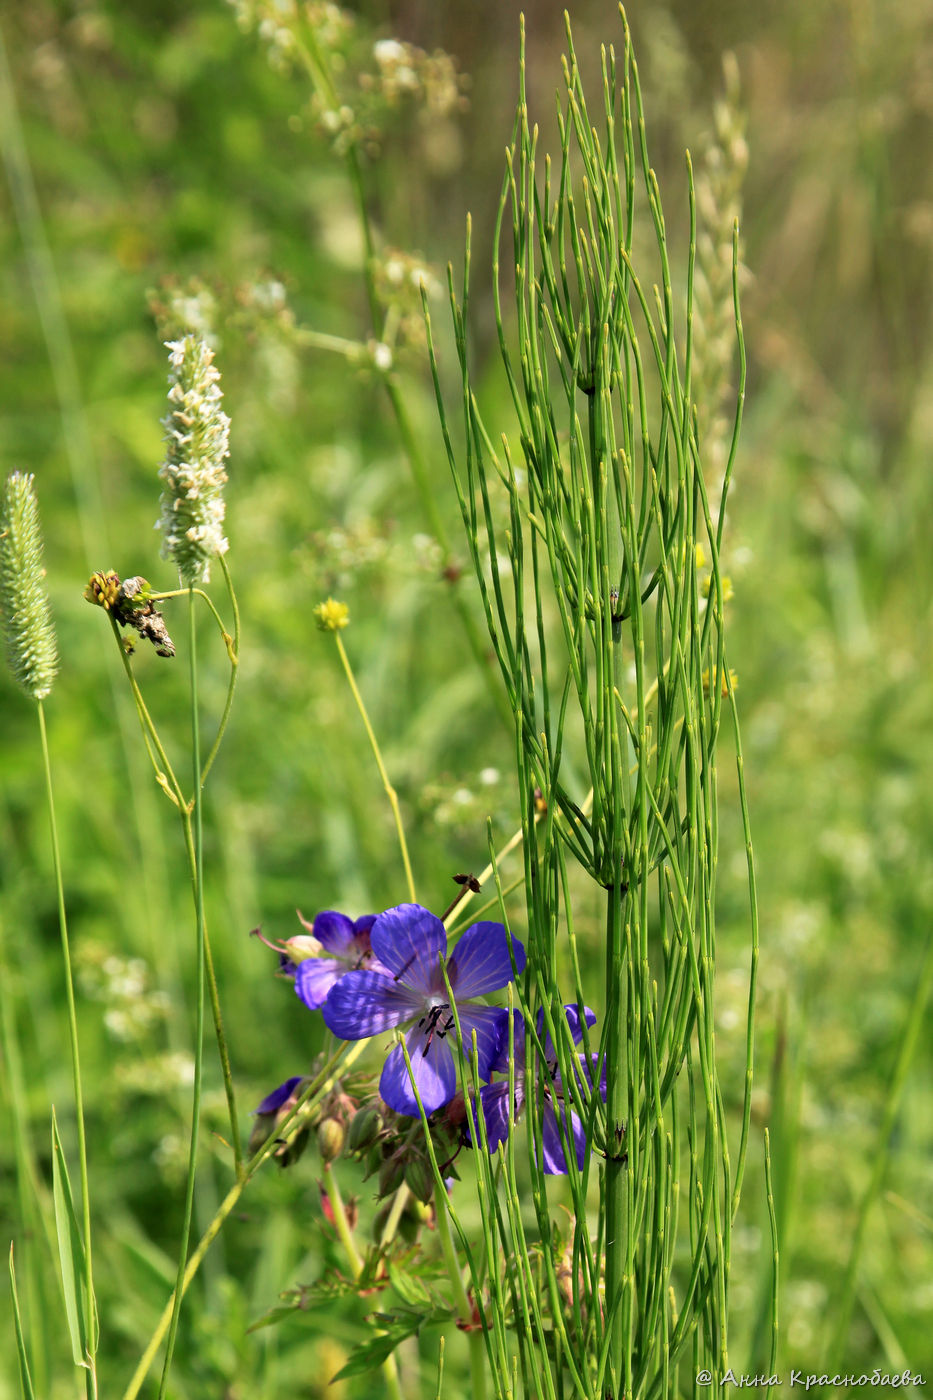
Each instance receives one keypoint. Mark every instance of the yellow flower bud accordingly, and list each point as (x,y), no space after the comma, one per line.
(331,615)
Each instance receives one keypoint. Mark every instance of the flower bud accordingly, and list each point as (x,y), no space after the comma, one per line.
(373,1160)
(391,1175)
(331,1136)
(300,947)
(419,1178)
(331,615)
(365,1129)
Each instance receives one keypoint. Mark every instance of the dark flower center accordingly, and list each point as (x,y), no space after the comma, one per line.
(437,1022)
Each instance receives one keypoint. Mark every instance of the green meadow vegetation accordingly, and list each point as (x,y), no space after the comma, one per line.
(173,168)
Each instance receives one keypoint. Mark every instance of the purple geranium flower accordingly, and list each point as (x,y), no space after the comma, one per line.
(274,1101)
(410,942)
(350,950)
(494,1098)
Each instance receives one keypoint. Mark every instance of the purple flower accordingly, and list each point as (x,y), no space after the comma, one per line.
(348,945)
(411,942)
(273,1111)
(494,1098)
(274,1101)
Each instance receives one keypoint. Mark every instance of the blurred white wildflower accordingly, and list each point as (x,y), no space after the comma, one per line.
(133,1007)
(381,355)
(197,434)
(399,279)
(407,71)
(279,23)
(31,649)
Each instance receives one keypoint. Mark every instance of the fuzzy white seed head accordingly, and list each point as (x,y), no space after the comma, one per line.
(197,435)
(31,649)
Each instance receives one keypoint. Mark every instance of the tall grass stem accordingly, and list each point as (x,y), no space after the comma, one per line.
(90,1373)
(198,883)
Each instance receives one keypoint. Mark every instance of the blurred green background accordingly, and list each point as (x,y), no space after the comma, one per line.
(163,145)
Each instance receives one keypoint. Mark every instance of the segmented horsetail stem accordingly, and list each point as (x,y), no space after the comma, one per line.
(31,650)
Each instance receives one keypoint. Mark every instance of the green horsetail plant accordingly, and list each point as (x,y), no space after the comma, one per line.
(32,656)
(596,542)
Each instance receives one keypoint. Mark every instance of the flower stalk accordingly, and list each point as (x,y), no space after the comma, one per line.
(331,621)
(32,656)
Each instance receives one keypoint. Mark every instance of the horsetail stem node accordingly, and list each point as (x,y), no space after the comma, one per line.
(197,438)
(31,650)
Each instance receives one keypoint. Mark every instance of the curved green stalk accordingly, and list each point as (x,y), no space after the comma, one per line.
(170,785)
(316,65)
(377,754)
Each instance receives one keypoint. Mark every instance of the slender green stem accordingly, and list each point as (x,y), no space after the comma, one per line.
(341,1223)
(199,994)
(428,496)
(216,1014)
(775,1257)
(389,789)
(165,776)
(91,1373)
(316,63)
(461,1300)
(315,1091)
(892,1107)
(233,652)
(345,1235)
(336,344)
(25,1374)
(617,1182)
(397,1210)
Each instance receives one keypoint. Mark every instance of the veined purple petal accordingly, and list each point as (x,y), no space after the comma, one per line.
(583,1078)
(574,1021)
(432,1065)
(553,1158)
(314,978)
(274,1101)
(333,931)
(361,1004)
(409,940)
(480,962)
(486,1021)
(501,1063)
(494,1105)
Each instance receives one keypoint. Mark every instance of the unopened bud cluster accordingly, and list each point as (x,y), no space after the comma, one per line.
(31,650)
(197,433)
(394,1151)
